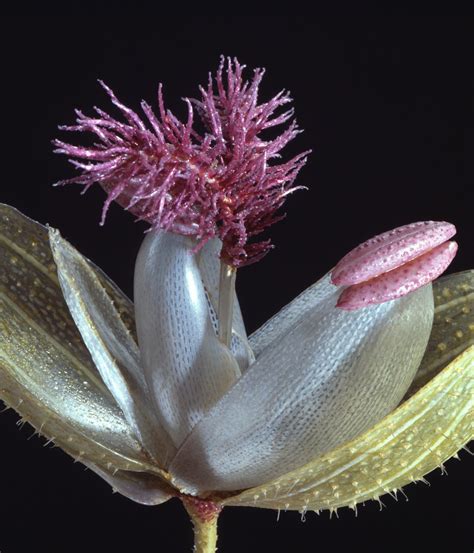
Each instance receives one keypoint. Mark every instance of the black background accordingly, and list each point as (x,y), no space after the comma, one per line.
(387,107)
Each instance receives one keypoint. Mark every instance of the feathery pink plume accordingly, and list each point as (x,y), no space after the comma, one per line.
(223,182)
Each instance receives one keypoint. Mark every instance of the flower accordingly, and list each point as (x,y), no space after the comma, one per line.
(360,385)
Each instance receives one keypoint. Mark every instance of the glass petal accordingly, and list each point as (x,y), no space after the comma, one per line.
(111,346)
(46,373)
(186,366)
(209,266)
(331,377)
(419,436)
(289,316)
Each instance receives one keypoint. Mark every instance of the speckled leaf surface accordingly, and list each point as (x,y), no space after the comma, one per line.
(141,487)
(46,373)
(113,350)
(453,325)
(420,435)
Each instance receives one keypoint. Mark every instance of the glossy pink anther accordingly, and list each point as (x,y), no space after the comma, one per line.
(394,263)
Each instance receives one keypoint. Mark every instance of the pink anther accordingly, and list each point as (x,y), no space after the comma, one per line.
(394,264)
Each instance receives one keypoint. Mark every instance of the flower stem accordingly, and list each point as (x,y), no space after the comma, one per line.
(204,515)
(226,302)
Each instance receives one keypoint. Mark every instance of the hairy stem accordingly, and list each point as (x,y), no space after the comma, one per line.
(226,302)
(204,516)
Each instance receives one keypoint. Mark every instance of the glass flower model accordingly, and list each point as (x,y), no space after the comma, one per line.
(362,384)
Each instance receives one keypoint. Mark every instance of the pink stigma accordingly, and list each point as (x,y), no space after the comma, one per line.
(394,263)
(218,179)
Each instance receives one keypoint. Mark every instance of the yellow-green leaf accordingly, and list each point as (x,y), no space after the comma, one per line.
(46,373)
(453,325)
